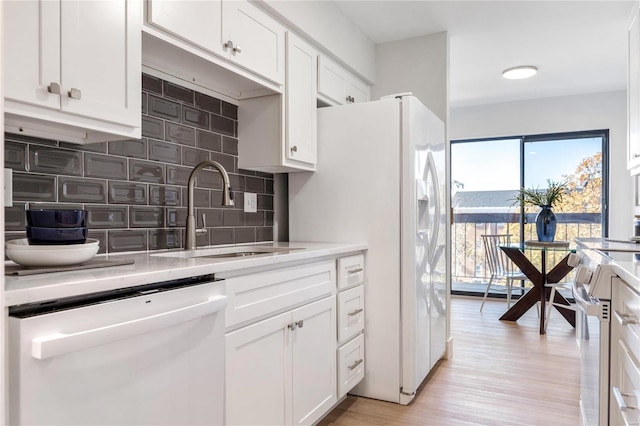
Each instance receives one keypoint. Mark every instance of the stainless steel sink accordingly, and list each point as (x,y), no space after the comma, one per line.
(229,252)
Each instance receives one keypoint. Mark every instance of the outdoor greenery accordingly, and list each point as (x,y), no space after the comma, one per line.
(581,193)
(552,196)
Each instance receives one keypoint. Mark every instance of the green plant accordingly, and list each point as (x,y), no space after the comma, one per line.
(535,197)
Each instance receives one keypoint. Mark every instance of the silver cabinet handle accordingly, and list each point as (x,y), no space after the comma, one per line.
(625,319)
(293,326)
(636,155)
(300,323)
(75,93)
(355,312)
(354,271)
(294,148)
(355,364)
(620,399)
(54,88)
(235,49)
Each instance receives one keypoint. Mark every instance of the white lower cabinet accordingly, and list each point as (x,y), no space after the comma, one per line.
(625,356)
(282,370)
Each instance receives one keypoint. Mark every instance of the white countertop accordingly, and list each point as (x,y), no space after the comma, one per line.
(155,266)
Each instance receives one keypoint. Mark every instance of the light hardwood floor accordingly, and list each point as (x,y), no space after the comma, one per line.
(501,373)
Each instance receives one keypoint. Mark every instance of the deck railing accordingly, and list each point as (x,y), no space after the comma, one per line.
(469,269)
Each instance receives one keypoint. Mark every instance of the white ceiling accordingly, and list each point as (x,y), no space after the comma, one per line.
(578,46)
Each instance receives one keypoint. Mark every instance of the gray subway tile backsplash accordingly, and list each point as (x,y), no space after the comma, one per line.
(152,127)
(82,190)
(45,159)
(208,140)
(146,171)
(107,216)
(208,103)
(32,187)
(164,108)
(128,193)
(135,190)
(146,217)
(127,240)
(195,117)
(174,91)
(165,195)
(222,125)
(245,235)
(105,166)
(136,148)
(164,152)
(180,134)
(15,155)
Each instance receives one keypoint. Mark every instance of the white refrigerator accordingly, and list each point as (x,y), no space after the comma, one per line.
(380,179)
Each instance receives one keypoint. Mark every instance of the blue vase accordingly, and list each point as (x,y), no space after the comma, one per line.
(546,224)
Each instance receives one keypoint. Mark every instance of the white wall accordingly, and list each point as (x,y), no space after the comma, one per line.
(419,65)
(562,114)
(322,22)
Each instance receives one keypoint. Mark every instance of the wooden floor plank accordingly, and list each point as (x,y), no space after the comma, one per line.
(501,373)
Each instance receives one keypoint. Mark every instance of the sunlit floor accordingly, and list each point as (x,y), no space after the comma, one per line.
(500,373)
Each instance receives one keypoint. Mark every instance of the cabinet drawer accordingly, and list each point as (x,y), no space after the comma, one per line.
(350,365)
(626,318)
(625,388)
(350,271)
(350,313)
(254,296)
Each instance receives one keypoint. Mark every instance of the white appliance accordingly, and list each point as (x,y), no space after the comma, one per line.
(150,355)
(592,290)
(380,179)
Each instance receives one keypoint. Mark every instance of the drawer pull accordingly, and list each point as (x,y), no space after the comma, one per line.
(625,319)
(293,326)
(355,364)
(54,88)
(300,323)
(356,312)
(354,271)
(620,399)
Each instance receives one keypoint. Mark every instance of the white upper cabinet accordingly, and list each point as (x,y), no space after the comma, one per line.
(254,39)
(633,93)
(73,69)
(196,22)
(234,30)
(337,86)
(301,92)
(279,132)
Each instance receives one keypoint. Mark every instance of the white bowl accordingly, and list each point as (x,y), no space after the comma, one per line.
(50,255)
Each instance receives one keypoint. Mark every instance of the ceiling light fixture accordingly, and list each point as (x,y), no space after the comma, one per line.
(517,73)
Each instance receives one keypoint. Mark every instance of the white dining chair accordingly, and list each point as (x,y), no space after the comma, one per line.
(500,266)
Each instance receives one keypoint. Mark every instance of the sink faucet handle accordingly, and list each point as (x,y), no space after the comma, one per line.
(203,230)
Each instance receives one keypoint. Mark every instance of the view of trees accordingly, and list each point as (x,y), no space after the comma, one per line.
(582,201)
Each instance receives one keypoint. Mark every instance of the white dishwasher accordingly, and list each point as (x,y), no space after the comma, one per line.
(147,355)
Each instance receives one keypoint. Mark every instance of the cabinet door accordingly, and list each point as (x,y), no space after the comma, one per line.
(359,91)
(31,32)
(332,80)
(258,40)
(633,94)
(101,59)
(301,91)
(313,360)
(258,373)
(194,21)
